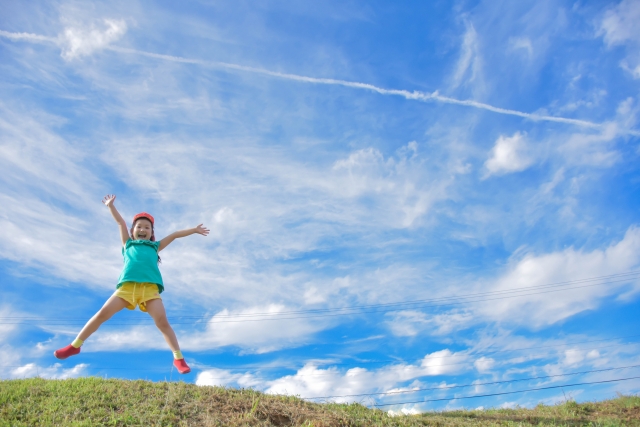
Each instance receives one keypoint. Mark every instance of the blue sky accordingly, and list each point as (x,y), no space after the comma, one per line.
(348,156)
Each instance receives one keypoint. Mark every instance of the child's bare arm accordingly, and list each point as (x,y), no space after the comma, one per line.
(124,232)
(182,233)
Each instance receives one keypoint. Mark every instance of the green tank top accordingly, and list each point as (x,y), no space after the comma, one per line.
(141,263)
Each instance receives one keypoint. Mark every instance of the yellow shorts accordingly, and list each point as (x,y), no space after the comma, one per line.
(136,293)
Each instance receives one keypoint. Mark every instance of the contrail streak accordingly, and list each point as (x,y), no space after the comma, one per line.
(28,36)
(415,95)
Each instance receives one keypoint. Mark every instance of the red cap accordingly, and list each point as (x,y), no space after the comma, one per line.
(143,215)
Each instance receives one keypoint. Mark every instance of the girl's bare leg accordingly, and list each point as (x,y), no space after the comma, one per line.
(111,307)
(155,308)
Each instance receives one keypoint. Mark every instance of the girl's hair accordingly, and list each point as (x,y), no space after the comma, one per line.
(153,235)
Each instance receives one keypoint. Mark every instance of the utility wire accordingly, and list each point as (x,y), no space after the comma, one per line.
(372,362)
(244,367)
(455,386)
(329,312)
(326,374)
(474,384)
(314,375)
(510,392)
(63,322)
(494,394)
(613,276)
(423,301)
(320,363)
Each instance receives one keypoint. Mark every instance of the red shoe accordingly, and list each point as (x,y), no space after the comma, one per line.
(67,351)
(182,366)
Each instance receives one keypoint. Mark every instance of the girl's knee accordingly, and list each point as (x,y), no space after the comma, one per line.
(162,323)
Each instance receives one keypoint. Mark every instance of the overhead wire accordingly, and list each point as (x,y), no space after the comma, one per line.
(345,311)
(443,301)
(620,276)
(298,375)
(595,278)
(509,392)
(366,362)
(427,366)
(474,384)
(478,384)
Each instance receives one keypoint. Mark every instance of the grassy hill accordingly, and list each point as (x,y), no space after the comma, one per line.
(97,401)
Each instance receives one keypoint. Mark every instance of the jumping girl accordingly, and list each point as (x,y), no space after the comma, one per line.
(140,282)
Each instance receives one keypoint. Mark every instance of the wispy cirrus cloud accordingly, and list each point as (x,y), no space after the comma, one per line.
(618,27)
(469,66)
(101,40)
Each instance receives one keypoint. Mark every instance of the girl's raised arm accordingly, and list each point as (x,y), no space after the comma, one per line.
(124,232)
(182,233)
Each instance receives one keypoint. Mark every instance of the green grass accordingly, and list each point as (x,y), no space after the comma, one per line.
(96,402)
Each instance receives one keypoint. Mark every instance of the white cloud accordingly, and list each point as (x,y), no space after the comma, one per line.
(619,27)
(409,323)
(43,175)
(522,44)
(619,24)
(146,337)
(257,336)
(600,148)
(223,377)
(484,364)
(444,362)
(573,356)
(55,371)
(311,381)
(402,412)
(6,328)
(469,64)
(539,309)
(509,154)
(83,40)
(592,149)
(222,329)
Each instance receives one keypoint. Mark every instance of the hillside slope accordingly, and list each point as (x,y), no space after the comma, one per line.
(97,401)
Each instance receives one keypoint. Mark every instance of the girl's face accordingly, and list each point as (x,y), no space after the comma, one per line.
(142,230)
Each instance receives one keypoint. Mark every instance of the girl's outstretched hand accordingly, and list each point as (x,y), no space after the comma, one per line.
(108,199)
(199,229)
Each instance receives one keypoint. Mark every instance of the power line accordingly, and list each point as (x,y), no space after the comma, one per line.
(450,387)
(510,392)
(422,301)
(621,277)
(345,311)
(419,301)
(474,384)
(326,374)
(391,360)
(297,375)
(263,367)
(448,356)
